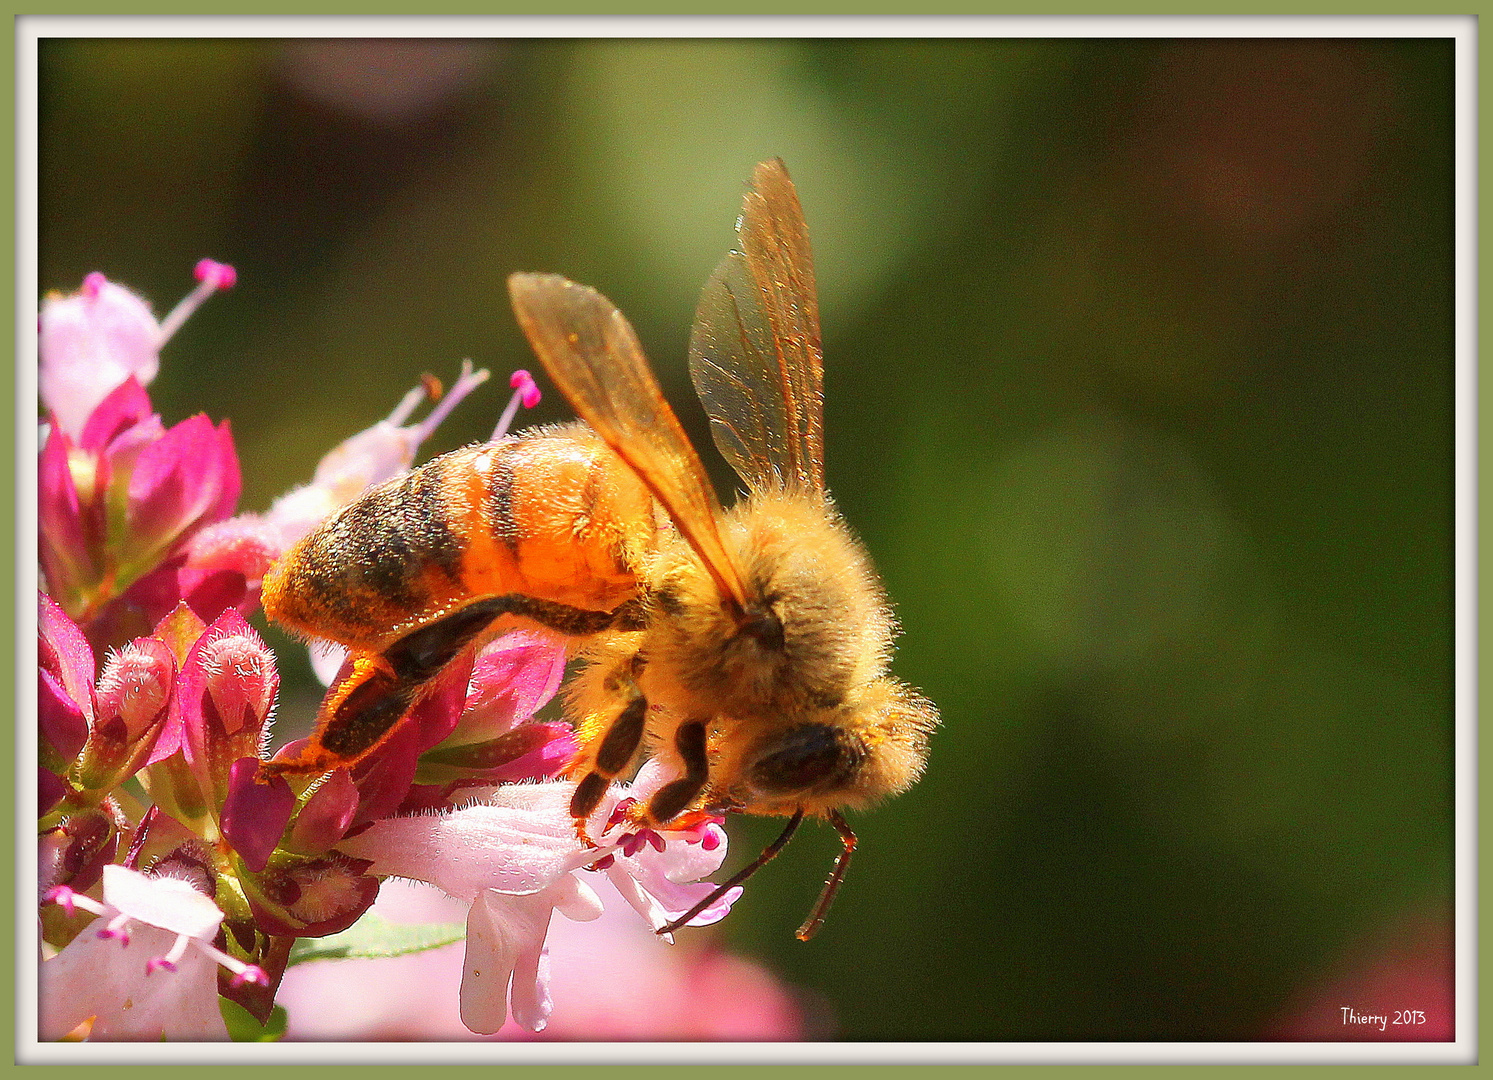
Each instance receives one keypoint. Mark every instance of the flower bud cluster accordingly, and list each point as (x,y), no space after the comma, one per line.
(172,866)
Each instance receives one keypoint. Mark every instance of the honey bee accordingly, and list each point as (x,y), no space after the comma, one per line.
(748,648)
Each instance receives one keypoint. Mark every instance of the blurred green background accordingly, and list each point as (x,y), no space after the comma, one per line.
(1139,388)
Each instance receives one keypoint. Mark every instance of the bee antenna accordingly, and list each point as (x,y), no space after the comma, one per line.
(768,854)
(821,907)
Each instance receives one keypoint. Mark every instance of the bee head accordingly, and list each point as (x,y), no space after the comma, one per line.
(852,755)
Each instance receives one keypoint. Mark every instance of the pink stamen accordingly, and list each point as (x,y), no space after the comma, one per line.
(708,833)
(407,405)
(524,383)
(619,813)
(633,843)
(466,382)
(525,393)
(603,863)
(221,275)
(117,929)
(252,973)
(168,962)
(242,972)
(94,284)
(62,895)
(211,277)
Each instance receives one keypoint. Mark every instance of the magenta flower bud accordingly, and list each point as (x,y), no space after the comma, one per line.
(255,813)
(66,543)
(51,789)
(64,729)
(89,343)
(383,779)
(529,751)
(512,679)
(64,652)
(136,685)
(227,690)
(326,816)
(435,716)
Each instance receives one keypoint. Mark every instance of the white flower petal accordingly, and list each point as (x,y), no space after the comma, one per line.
(166,902)
(326,659)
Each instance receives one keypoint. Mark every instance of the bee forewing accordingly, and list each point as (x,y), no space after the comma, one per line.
(593,356)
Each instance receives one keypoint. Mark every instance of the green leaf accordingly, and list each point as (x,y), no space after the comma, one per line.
(373,938)
(242,1027)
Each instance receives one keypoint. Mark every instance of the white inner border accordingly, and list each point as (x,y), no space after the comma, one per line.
(29,29)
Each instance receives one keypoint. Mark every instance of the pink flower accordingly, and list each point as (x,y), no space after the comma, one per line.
(146,969)
(516,858)
(97,338)
(249,543)
(609,982)
(116,507)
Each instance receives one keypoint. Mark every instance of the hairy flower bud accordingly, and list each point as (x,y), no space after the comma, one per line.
(133,699)
(227,688)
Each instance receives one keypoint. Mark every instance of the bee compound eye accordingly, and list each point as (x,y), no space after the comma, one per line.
(803,757)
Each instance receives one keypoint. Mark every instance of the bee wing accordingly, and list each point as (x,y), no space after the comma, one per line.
(755,354)
(593,355)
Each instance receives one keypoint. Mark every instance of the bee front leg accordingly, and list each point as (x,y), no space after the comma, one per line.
(618,746)
(669,801)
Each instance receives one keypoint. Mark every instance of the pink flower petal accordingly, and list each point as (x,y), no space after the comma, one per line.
(521,847)
(89,343)
(98,978)
(126,406)
(505,938)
